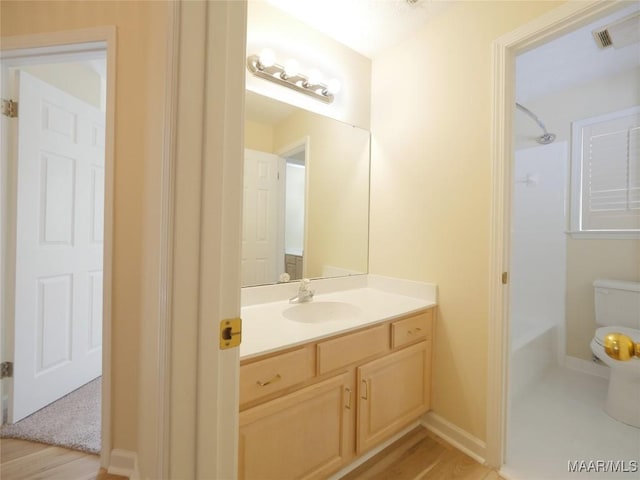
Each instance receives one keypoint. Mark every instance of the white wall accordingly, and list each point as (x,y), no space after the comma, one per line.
(294,209)
(538,264)
(538,250)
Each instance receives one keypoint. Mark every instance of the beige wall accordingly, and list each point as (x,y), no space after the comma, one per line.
(141,54)
(338,191)
(269,27)
(258,136)
(587,259)
(430,202)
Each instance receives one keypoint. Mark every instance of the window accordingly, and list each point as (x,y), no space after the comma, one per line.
(605,174)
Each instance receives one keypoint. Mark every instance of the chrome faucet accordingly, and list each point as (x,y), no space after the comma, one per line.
(305,294)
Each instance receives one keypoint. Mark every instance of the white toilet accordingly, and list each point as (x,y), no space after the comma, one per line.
(617,308)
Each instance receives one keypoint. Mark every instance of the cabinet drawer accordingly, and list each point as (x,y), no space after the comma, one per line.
(411,329)
(352,348)
(276,373)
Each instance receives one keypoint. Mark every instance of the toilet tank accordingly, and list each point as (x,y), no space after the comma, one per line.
(617,303)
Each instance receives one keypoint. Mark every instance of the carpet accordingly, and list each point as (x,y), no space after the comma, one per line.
(73,421)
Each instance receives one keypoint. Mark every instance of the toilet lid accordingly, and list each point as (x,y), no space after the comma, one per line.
(604,331)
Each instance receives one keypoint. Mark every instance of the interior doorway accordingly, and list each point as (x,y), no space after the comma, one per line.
(551,363)
(295,208)
(558,22)
(54,234)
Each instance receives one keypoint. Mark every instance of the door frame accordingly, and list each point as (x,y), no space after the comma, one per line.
(545,28)
(301,144)
(206,199)
(70,43)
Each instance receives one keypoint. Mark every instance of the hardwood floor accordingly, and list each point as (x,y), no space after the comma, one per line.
(421,455)
(22,460)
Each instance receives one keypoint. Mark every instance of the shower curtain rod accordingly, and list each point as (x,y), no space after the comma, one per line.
(546,137)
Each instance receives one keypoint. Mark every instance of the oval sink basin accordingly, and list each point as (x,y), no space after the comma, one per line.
(318,312)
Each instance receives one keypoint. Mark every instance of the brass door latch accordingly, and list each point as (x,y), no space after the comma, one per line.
(230,332)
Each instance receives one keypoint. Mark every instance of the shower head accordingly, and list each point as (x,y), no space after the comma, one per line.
(546,138)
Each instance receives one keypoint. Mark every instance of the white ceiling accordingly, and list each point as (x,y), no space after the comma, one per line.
(366,26)
(572,60)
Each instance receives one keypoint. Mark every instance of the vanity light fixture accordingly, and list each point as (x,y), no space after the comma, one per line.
(288,75)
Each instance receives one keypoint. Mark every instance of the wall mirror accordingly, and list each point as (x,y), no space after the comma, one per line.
(306,194)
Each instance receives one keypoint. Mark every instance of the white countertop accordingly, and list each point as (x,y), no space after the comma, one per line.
(266,329)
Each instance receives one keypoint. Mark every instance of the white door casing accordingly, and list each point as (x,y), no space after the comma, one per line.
(59,246)
(261,260)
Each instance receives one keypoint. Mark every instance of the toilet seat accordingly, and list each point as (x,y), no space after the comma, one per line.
(602,332)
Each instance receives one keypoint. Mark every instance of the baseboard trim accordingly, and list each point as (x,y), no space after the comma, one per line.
(585,366)
(125,463)
(371,453)
(456,436)
(506,473)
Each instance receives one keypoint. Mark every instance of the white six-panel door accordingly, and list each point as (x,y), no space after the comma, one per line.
(59,251)
(261,260)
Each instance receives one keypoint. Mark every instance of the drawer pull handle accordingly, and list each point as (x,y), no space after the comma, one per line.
(348,406)
(365,392)
(418,329)
(269,382)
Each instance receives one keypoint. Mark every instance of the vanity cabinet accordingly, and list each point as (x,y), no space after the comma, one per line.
(307,412)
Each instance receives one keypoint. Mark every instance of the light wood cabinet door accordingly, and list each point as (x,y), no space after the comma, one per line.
(392,392)
(307,434)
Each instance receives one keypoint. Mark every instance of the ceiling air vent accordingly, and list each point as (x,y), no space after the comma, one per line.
(620,33)
(602,38)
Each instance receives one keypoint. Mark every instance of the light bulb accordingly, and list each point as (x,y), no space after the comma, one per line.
(315,77)
(333,86)
(267,58)
(291,68)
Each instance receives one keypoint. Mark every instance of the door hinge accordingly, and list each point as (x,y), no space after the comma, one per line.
(6,370)
(230,333)
(9,108)
(505,278)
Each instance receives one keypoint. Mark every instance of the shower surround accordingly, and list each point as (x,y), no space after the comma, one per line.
(538,263)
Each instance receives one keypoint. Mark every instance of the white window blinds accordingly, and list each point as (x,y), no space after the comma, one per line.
(609,167)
